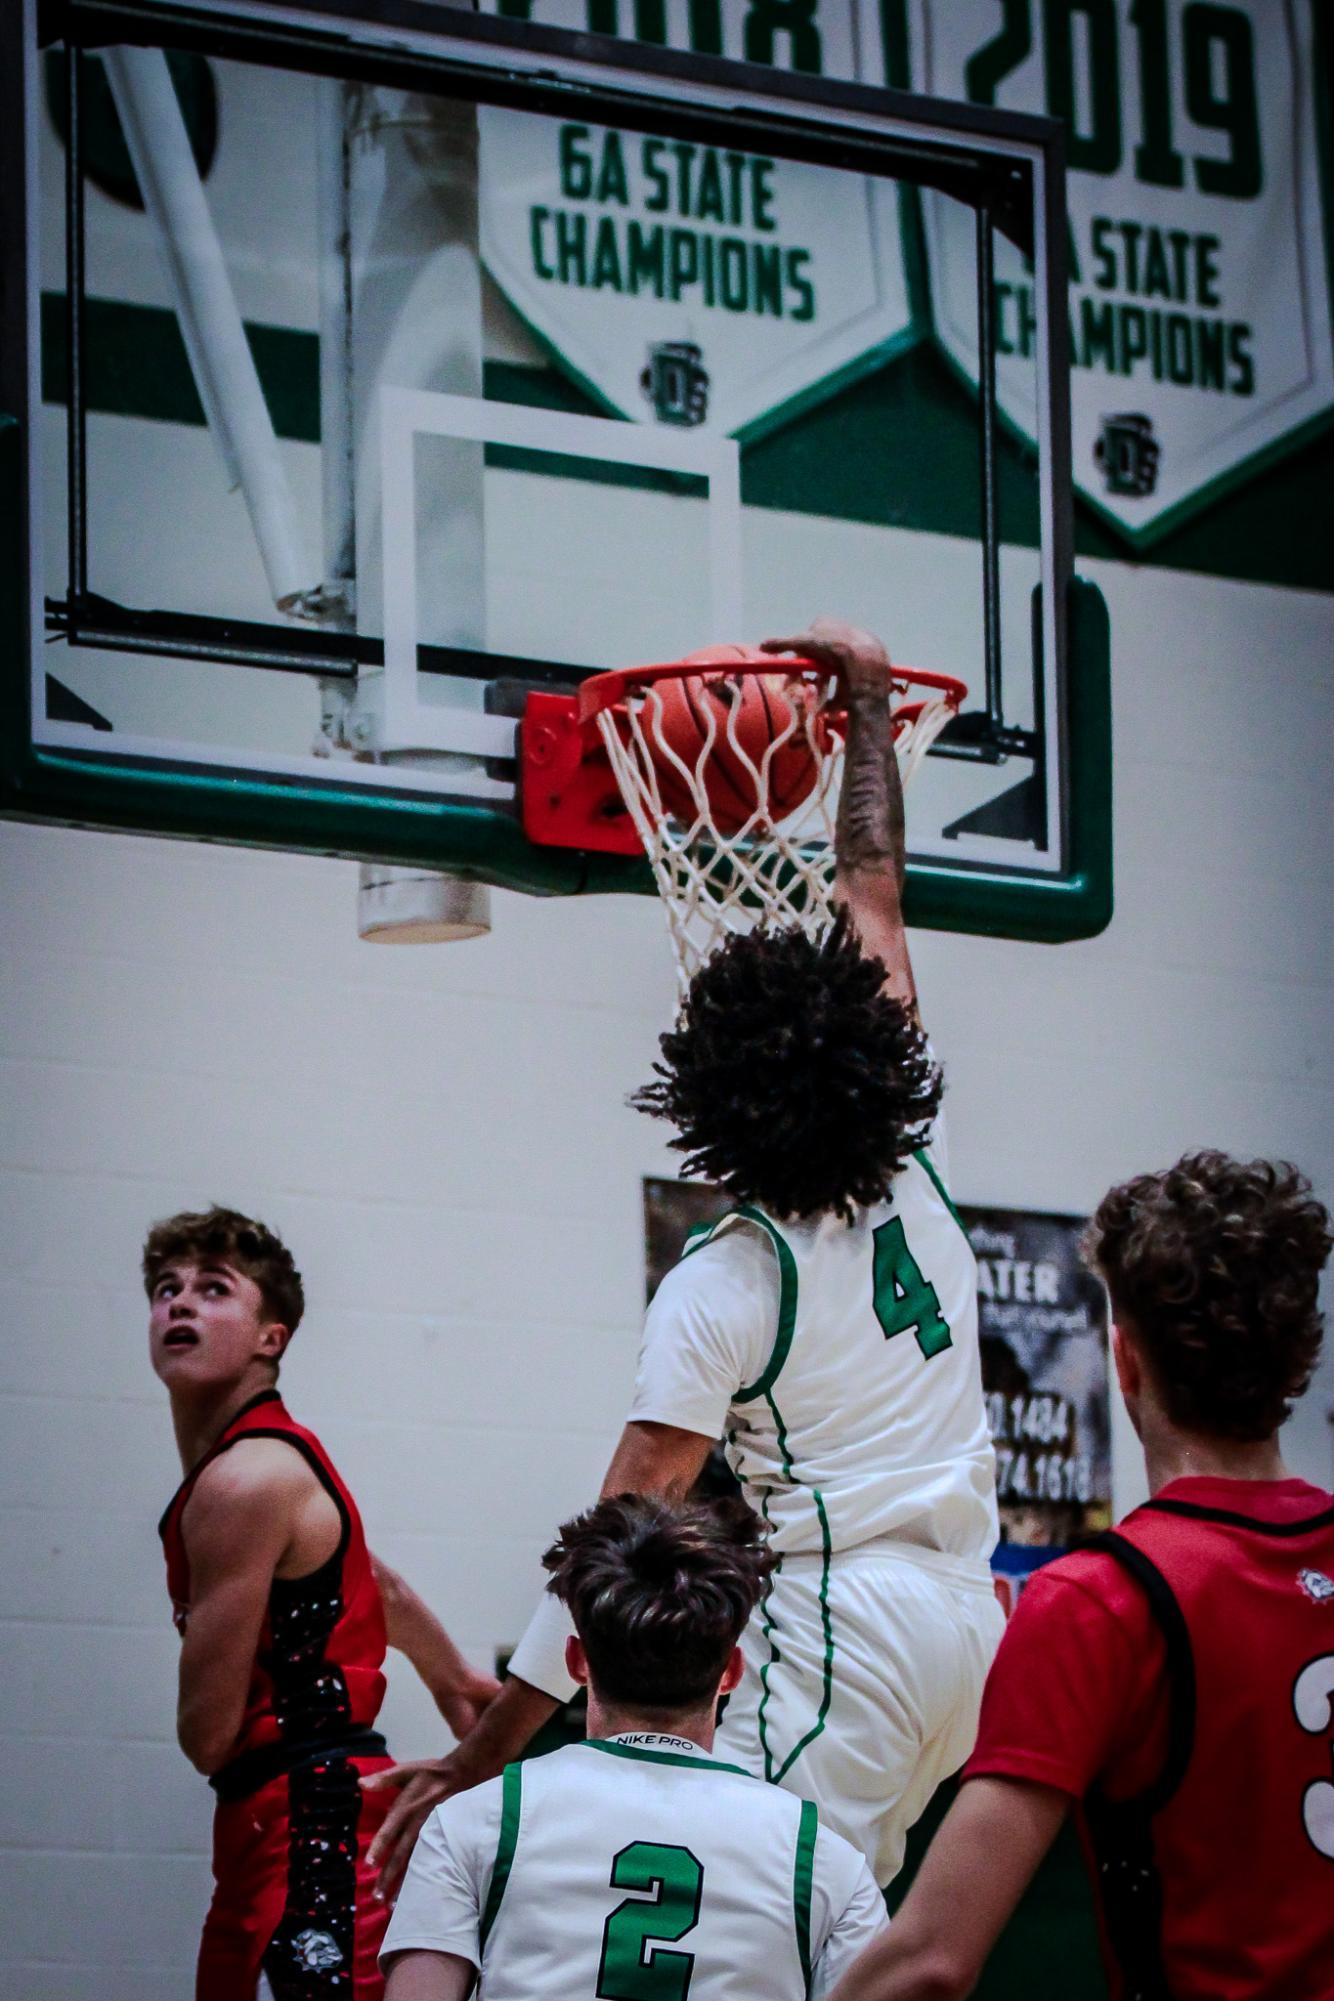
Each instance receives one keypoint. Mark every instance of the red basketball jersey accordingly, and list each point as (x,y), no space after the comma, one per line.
(1218,1882)
(316,1682)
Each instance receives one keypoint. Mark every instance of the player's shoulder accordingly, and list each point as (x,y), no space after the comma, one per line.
(734,1251)
(838,1864)
(250,1471)
(1086,1584)
(472,1818)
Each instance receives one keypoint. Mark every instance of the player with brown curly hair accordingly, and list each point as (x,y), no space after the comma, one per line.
(825,1329)
(637,1862)
(1175,1679)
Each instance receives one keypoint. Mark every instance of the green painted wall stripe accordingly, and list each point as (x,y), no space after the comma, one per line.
(136,365)
(511,1805)
(700,1764)
(803,1876)
(898,447)
(787,1308)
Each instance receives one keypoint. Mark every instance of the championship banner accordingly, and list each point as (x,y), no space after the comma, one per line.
(688,284)
(1200,328)
(1199,243)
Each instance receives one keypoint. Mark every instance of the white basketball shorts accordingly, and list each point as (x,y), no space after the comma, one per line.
(862,1687)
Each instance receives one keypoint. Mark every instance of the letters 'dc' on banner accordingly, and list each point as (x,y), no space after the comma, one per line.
(689,284)
(1199,281)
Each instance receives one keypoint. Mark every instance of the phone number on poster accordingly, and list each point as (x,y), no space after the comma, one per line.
(1042,1476)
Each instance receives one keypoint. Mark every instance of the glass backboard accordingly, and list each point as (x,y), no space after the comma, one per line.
(374,367)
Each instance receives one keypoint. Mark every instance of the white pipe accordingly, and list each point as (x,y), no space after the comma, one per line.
(336,469)
(224,368)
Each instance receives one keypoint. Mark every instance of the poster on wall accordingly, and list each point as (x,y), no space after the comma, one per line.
(1042,1329)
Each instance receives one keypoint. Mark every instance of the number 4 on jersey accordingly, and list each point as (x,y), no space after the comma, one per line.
(905,1299)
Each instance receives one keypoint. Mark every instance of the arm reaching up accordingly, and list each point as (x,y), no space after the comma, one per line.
(869,845)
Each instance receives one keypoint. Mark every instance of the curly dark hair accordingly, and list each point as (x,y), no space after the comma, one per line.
(1216,1264)
(659,1592)
(793,1081)
(248,1246)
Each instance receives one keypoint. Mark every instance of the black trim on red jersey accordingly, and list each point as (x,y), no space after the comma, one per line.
(220,1444)
(1194,1512)
(322,1474)
(245,1774)
(1180,1666)
(1121,1831)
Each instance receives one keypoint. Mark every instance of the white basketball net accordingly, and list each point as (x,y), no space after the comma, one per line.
(711,881)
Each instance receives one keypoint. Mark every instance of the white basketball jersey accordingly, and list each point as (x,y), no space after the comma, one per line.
(868,1418)
(636,1869)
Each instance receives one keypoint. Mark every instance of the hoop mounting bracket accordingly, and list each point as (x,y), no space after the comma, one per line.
(568,793)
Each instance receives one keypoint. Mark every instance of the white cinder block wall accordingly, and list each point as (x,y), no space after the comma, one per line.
(441,1134)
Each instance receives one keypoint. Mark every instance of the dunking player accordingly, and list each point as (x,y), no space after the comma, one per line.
(523,1881)
(1176,1678)
(827,1328)
(284,1618)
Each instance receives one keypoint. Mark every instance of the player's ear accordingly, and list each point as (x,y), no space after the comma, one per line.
(1129,1367)
(272,1341)
(732,1673)
(576,1660)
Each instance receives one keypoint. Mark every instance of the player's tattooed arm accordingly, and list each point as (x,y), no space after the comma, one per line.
(870,845)
(411,1627)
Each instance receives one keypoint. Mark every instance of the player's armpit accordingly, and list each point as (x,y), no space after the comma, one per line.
(429,1976)
(975,1872)
(236,1529)
(862,1920)
(656,1459)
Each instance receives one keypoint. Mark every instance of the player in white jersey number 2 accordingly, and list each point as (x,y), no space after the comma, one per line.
(826,1329)
(637,1866)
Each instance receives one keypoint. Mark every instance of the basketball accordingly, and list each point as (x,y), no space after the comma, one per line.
(743,712)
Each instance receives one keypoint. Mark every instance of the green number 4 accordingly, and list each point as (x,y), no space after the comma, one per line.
(904,1299)
(633,1966)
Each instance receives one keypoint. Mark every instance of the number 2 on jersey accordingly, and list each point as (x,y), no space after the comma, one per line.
(904,1298)
(632,1968)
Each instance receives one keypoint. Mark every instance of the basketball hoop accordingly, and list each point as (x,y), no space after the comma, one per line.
(740,831)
